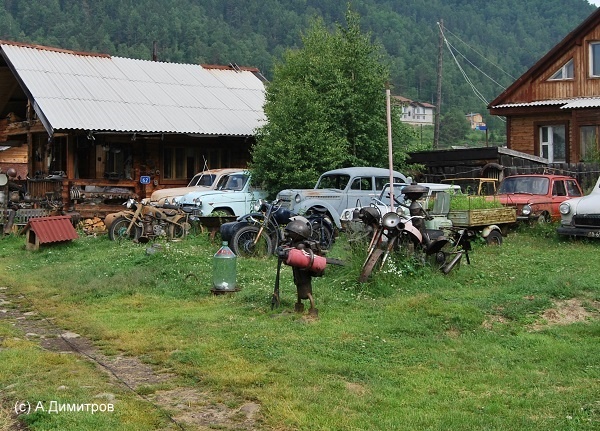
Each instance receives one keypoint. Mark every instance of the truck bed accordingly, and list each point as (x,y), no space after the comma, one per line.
(483,217)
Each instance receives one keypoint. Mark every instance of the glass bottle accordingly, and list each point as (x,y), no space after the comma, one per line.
(224,268)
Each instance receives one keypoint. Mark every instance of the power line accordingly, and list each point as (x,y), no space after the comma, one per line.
(482,56)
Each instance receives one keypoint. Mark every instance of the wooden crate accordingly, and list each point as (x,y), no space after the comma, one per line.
(483,217)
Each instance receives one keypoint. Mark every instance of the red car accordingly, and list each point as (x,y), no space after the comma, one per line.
(537,197)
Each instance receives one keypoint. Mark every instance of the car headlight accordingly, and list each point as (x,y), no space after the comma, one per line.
(564,208)
(258,204)
(298,198)
(198,202)
(526,211)
(346,215)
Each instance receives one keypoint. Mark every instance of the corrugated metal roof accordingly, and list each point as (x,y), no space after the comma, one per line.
(52,229)
(101,93)
(584,102)
(574,103)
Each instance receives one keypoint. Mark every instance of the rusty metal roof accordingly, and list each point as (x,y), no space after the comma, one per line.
(52,229)
(100,93)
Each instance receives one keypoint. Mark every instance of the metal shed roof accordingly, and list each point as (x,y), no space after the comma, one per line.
(573,103)
(112,94)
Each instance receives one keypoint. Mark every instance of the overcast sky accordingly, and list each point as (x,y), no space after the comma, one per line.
(595,2)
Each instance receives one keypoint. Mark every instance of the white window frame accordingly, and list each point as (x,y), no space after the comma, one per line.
(562,74)
(549,144)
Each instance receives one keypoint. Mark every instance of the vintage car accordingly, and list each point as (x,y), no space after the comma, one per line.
(537,196)
(581,216)
(206,180)
(339,189)
(475,186)
(233,195)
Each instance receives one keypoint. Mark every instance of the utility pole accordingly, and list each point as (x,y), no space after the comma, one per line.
(438,102)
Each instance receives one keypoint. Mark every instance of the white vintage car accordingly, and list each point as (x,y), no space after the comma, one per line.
(233,195)
(339,189)
(202,181)
(581,216)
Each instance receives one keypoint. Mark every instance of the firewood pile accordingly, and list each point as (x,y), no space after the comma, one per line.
(93,226)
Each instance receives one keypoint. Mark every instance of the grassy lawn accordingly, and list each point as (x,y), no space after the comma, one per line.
(510,342)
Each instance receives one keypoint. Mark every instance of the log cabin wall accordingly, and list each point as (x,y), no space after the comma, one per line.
(524,132)
(95,174)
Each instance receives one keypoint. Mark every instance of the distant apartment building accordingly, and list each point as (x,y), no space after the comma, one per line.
(415,113)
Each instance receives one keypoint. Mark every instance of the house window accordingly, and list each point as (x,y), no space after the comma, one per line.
(178,163)
(588,143)
(552,143)
(565,72)
(595,59)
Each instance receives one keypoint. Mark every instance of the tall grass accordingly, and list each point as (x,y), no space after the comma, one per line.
(411,349)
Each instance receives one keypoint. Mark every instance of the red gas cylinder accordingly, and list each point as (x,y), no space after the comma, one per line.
(305,260)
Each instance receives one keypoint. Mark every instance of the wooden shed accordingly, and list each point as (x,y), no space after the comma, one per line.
(96,130)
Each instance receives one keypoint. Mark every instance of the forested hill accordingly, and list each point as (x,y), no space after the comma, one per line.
(501,38)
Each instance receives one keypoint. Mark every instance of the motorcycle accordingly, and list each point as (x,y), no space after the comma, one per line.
(259,233)
(443,248)
(143,221)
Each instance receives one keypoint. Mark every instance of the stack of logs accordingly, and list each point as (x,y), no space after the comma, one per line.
(93,226)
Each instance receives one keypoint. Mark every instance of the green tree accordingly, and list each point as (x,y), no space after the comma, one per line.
(326,109)
(453,128)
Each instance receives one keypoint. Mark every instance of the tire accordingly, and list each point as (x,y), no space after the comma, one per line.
(179,228)
(370,264)
(494,238)
(544,218)
(323,234)
(243,245)
(118,230)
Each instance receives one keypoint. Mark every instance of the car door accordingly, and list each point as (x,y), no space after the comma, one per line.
(360,189)
(559,195)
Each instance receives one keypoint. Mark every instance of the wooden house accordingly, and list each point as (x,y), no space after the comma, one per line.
(553,109)
(90,130)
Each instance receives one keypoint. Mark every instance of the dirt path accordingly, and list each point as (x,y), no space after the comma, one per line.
(188,408)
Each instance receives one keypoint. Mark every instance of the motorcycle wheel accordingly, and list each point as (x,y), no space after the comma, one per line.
(118,230)
(375,259)
(179,228)
(322,234)
(445,260)
(243,243)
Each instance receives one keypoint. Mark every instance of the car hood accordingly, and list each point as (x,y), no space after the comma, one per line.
(175,191)
(520,199)
(589,204)
(189,197)
(311,192)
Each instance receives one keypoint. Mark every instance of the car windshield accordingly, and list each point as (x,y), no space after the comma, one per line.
(385,194)
(527,185)
(202,179)
(333,182)
(235,182)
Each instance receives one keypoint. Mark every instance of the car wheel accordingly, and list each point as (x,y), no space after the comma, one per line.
(544,218)
(494,238)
